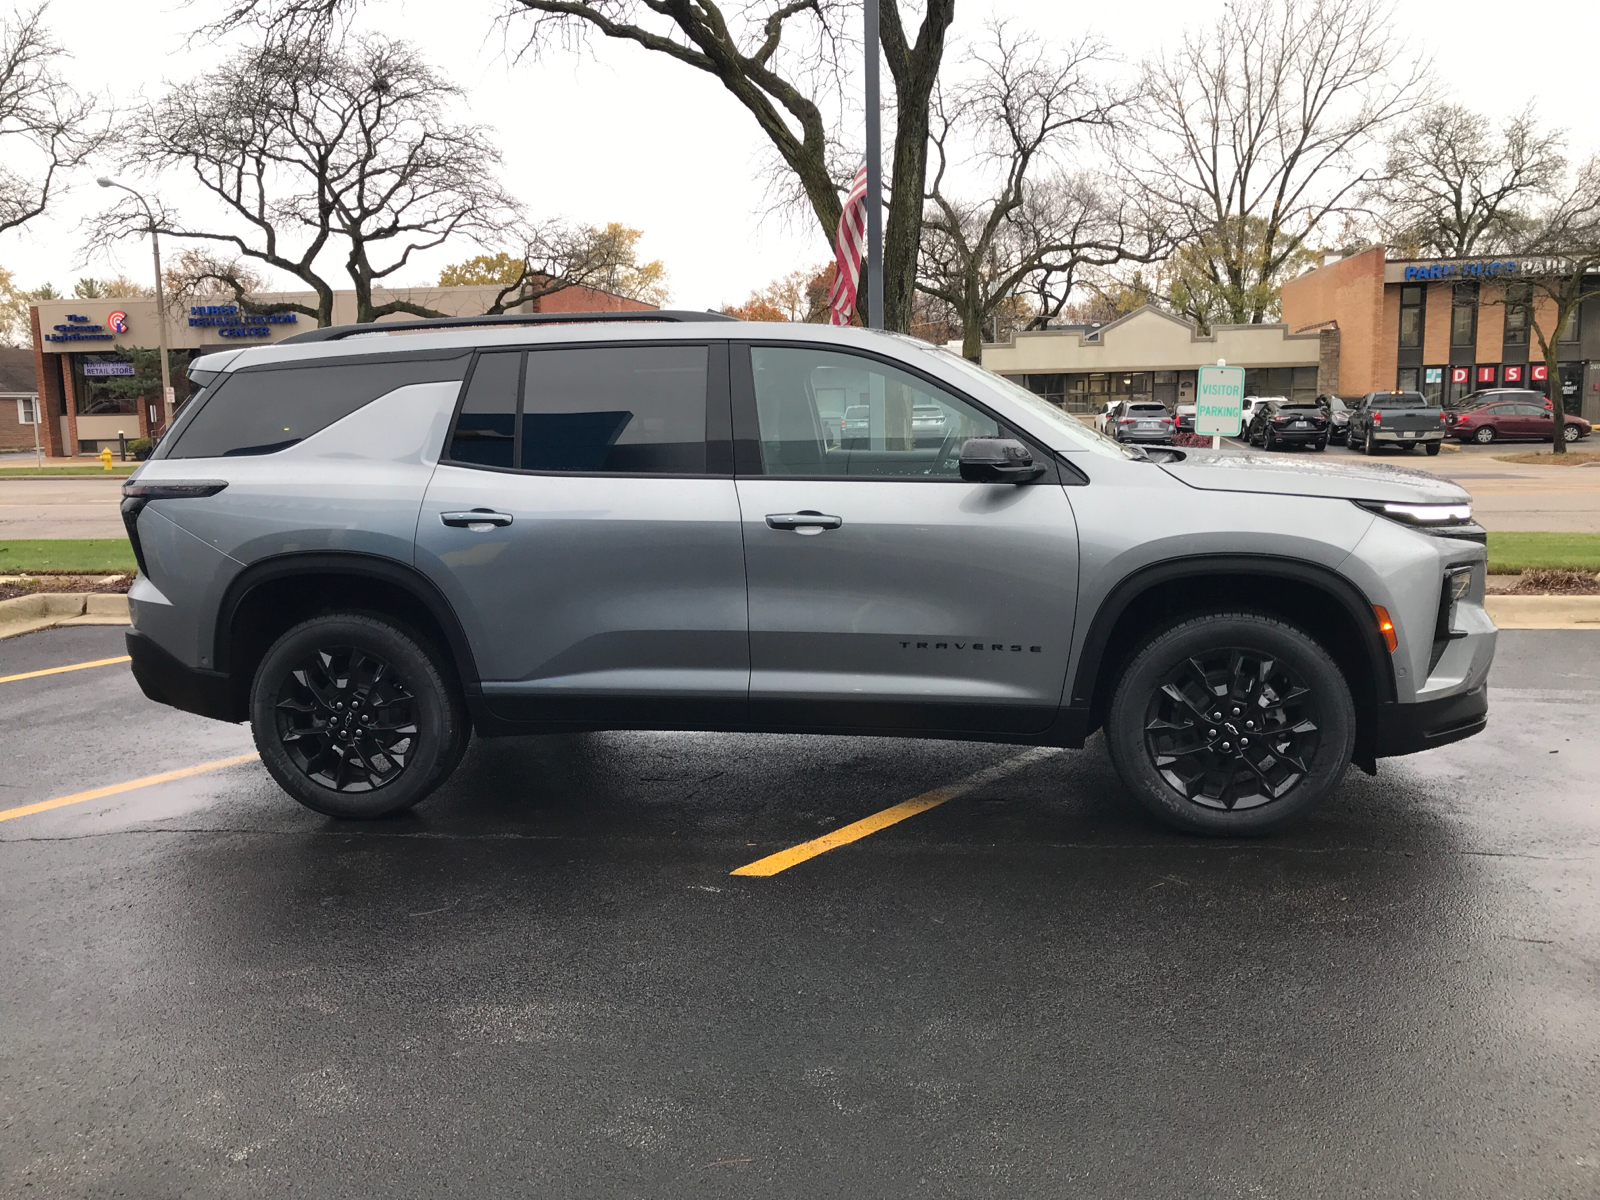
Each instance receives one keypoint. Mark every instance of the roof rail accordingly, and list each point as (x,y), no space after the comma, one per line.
(334,333)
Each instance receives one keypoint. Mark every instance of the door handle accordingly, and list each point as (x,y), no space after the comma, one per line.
(479,520)
(805,522)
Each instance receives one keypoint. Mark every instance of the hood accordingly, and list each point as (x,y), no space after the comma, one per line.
(1299,476)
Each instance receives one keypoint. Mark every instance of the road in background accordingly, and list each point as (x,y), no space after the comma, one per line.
(74,506)
(546,981)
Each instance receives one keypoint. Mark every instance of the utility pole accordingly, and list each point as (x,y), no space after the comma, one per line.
(874,171)
(161,300)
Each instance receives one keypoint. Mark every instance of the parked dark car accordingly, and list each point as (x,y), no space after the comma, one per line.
(1141,421)
(1403,419)
(1528,418)
(1289,423)
(1338,418)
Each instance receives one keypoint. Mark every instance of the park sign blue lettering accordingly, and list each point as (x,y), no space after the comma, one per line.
(1476,270)
(230,322)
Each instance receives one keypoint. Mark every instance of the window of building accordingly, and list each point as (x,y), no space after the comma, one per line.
(896,425)
(1099,385)
(264,411)
(1409,379)
(27,410)
(1433,384)
(1411,318)
(1569,331)
(1464,315)
(1518,302)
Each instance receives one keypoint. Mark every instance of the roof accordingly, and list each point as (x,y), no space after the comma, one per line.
(16,372)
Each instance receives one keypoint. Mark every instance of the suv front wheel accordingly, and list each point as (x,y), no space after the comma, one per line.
(356,717)
(1231,724)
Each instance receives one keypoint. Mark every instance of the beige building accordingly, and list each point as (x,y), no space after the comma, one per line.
(1153,355)
(98,375)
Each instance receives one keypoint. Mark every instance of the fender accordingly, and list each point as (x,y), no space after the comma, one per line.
(363,566)
(1336,586)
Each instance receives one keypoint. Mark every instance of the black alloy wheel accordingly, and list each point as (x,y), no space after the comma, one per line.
(1231,724)
(356,716)
(346,719)
(1232,729)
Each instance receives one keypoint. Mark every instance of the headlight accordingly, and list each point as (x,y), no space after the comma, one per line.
(1458,580)
(1424,515)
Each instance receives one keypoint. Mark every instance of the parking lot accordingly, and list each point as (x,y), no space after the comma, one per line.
(547,982)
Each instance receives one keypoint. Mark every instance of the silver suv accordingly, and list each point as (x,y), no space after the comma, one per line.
(371,543)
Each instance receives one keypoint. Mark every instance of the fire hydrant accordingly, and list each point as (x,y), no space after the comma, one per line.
(105,458)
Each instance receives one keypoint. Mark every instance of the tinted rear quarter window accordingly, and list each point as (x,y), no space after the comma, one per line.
(256,412)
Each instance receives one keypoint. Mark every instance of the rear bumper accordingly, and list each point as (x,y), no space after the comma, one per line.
(1422,435)
(167,681)
(1408,728)
(1299,435)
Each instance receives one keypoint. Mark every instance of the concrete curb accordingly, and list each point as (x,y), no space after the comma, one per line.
(1544,612)
(27,614)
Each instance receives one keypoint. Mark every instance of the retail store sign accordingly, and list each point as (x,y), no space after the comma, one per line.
(1460,374)
(230,321)
(105,370)
(1513,374)
(1219,401)
(1539,373)
(1485,374)
(1433,375)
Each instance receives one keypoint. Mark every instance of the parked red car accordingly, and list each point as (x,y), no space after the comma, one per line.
(1506,420)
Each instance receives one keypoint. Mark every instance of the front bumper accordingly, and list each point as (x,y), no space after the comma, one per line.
(167,681)
(1407,728)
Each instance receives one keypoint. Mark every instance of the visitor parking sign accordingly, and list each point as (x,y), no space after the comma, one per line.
(1219,401)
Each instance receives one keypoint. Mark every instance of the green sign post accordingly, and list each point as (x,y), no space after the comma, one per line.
(1219,401)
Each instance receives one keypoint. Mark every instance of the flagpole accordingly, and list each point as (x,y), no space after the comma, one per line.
(874,172)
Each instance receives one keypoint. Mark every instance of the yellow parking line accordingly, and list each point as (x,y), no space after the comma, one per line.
(867,826)
(112,789)
(99,662)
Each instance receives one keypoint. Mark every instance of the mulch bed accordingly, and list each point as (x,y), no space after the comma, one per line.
(32,585)
(1555,581)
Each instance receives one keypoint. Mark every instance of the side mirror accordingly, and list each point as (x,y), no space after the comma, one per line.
(998,460)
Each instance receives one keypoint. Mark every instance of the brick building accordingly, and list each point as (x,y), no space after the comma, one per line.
(1444,327)
(96,374)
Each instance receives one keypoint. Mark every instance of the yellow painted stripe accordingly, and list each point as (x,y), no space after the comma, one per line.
(867,826)
(99,662)
(112,789)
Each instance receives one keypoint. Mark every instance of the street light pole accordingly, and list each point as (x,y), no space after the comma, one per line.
(874,171)
(161,300)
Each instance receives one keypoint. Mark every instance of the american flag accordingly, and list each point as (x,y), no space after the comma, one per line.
(850,249)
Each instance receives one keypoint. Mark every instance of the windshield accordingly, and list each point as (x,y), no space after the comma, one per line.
(1081,436)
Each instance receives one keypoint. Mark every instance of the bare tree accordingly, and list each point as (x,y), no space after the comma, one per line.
(1256,129)
(1024,106)
(1558,268)
(46,128)
(783,60)
(314,145)
(1453,188)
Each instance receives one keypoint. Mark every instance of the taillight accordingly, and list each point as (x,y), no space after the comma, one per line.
(1279,420)
(1376,417)
(1168,421)
(1442,420)
(1125,420)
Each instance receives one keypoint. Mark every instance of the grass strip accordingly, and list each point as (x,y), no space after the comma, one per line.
(1512,553)
(118,471)
(66,556)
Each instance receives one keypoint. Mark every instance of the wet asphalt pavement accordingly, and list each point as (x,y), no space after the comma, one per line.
(545,983)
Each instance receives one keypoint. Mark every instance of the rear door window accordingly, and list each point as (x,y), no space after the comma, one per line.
(262,411)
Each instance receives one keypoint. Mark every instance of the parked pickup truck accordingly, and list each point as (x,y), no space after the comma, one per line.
(1402,419)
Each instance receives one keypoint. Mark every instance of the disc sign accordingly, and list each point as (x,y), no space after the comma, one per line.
(1219,401)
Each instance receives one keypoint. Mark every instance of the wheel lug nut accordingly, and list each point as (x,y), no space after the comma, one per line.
(1225,745)
(1211,733)
(1236,712)
(1243,742)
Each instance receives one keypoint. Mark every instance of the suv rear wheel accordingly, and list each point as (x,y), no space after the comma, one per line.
(356,717)
(1231,724)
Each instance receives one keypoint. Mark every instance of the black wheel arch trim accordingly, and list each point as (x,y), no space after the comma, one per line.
(356,565)
(1130,588)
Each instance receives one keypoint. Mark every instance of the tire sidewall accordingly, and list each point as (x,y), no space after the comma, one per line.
(440,715)
(1125,722)
(1483,436)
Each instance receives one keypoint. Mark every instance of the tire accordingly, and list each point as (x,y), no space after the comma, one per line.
(1434,448)
(298,701)
(1230,793)
(1410,447)
(1569,433)
(1368,446)
(1483,435)
(1320,446)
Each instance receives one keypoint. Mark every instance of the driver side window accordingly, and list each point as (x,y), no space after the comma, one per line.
(821,412)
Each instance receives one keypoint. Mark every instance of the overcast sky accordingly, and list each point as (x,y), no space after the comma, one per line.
(624,135)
